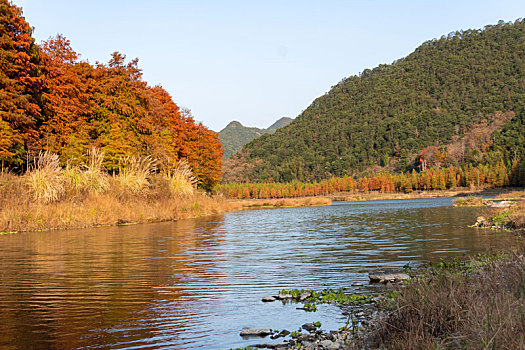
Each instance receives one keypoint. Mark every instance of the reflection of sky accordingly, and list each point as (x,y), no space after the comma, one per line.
(197,283)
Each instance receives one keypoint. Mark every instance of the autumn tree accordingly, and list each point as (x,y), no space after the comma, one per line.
(19,85)
(67,100)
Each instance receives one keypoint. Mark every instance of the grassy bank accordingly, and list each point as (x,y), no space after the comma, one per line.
(49,196)
(376,195)
(479,304)
(21,212)
(281,202)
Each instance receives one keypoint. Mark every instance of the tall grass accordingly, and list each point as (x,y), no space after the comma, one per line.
(49,197)
(45,180)
(181,181)
(90,177)
(134,174)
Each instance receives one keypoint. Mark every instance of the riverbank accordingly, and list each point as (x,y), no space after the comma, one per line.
(121,204)
(506,211)
(477,304)
(19,212)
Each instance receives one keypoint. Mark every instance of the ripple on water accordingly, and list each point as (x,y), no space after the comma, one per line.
(197,283)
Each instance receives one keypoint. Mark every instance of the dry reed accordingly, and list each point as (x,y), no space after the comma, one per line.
(134,174)
(476,308)
(181,181)
(45,178)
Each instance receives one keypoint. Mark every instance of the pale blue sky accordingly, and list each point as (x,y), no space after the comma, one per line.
(255,61)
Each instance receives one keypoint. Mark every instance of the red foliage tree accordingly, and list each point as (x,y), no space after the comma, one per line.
(20,84)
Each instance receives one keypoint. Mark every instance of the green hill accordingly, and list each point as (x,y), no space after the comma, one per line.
(463,93)
(234,136)
(278,124)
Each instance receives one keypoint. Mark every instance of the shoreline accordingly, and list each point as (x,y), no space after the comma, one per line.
(106,210)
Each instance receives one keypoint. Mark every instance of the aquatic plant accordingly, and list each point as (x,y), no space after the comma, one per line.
(295,334)
(310,307)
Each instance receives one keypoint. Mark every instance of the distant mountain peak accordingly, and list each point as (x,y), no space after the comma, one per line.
(235,135)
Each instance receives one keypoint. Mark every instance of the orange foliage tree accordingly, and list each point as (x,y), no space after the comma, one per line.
(20,85)
(50,100)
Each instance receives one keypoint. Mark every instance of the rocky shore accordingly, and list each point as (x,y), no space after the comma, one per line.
(362,311)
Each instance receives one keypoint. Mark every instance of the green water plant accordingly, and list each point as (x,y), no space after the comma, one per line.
(310,307)
(326,296)
(295,334)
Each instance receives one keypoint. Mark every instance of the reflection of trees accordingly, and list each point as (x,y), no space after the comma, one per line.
(63,289)
(377,236)
(447,233)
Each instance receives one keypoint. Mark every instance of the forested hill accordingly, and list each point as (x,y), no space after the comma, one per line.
(235,135)
(436,101)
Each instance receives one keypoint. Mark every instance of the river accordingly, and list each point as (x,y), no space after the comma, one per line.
(197,283)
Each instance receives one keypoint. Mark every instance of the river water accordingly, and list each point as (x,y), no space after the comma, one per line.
(197,283)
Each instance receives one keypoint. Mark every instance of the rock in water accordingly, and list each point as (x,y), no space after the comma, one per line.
(255,331)
(388,277)
(305,295)
(502,204)
(310,327)
(268,299)
(284,296)
(283,333)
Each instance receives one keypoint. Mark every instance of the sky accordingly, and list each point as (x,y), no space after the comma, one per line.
(255,61)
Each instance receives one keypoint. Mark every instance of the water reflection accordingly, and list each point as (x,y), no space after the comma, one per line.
(196,283)
(69,289)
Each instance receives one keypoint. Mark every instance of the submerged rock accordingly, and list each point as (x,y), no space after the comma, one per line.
(357,284)
(388,277)
(262,332)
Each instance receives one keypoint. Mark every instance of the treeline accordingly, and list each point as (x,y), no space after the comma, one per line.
(497,175)
(471,80)
(52,101)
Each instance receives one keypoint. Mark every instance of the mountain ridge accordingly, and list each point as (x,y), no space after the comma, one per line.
(389,115)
